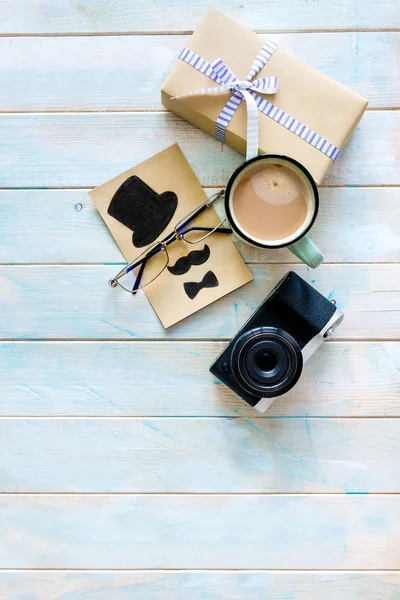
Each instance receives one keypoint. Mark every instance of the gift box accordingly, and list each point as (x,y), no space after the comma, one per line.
(302,113)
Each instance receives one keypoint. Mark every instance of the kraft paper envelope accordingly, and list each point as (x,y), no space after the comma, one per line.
(169,171)
(314,99)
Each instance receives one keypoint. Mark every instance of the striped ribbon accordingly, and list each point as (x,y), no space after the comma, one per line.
(249,91)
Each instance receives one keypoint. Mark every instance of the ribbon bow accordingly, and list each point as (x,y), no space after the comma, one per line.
(241,90)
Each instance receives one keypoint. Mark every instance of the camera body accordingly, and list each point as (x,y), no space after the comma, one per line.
(265,358)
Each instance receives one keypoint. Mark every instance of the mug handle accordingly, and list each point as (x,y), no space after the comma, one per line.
(307,251)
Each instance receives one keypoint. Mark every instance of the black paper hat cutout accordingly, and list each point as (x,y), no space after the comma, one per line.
(142,210)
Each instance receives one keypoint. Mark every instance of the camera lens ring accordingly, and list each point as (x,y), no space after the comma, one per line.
(266,359)
(271,380)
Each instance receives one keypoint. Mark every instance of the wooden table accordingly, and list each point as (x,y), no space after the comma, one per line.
(126,472)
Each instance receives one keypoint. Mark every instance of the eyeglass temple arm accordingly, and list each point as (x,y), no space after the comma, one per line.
(136,285)
(142,263)
(201,209)
(192,217)
(218,230)
(143,260)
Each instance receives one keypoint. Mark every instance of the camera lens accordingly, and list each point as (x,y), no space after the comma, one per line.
(266,361)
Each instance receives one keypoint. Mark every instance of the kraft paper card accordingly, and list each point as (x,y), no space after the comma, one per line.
(304,94)
(142,206)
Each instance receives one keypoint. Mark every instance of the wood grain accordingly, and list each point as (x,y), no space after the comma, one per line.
(140,379)
(112,72)
(337,542)
(186,455)
(353,225)
(201,532)
(76,302)
(164,585)
(58,16)
(75,150)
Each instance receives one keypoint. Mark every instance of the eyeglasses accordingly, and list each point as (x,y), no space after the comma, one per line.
(151,263)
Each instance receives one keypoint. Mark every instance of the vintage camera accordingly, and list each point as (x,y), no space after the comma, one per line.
(265,359)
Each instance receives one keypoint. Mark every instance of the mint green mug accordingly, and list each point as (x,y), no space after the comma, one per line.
(297,242)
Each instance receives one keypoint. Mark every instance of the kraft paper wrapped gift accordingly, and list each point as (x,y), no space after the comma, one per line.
(307,102)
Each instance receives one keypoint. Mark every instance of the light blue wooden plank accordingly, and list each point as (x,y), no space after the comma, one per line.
(33,16)
(43,226)
(140,379)
(178,455)
(76,150)
(200,532)
(76,302)
(112,72)
(354,225)
(166,585)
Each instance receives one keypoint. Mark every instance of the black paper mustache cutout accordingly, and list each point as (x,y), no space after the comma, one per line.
(192,288)
(194,258)
(140,208)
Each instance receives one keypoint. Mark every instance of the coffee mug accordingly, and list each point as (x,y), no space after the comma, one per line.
(271,201)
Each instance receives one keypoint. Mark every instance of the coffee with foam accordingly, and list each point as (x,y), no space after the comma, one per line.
(272,202)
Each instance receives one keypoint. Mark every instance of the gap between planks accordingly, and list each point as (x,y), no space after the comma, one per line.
(21,339)
(248,262)
(23,113)
(219,571)
(121,263)
(206,187)
(233,417)
(188,32)
(126,111)
(198,494)
(189,417)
